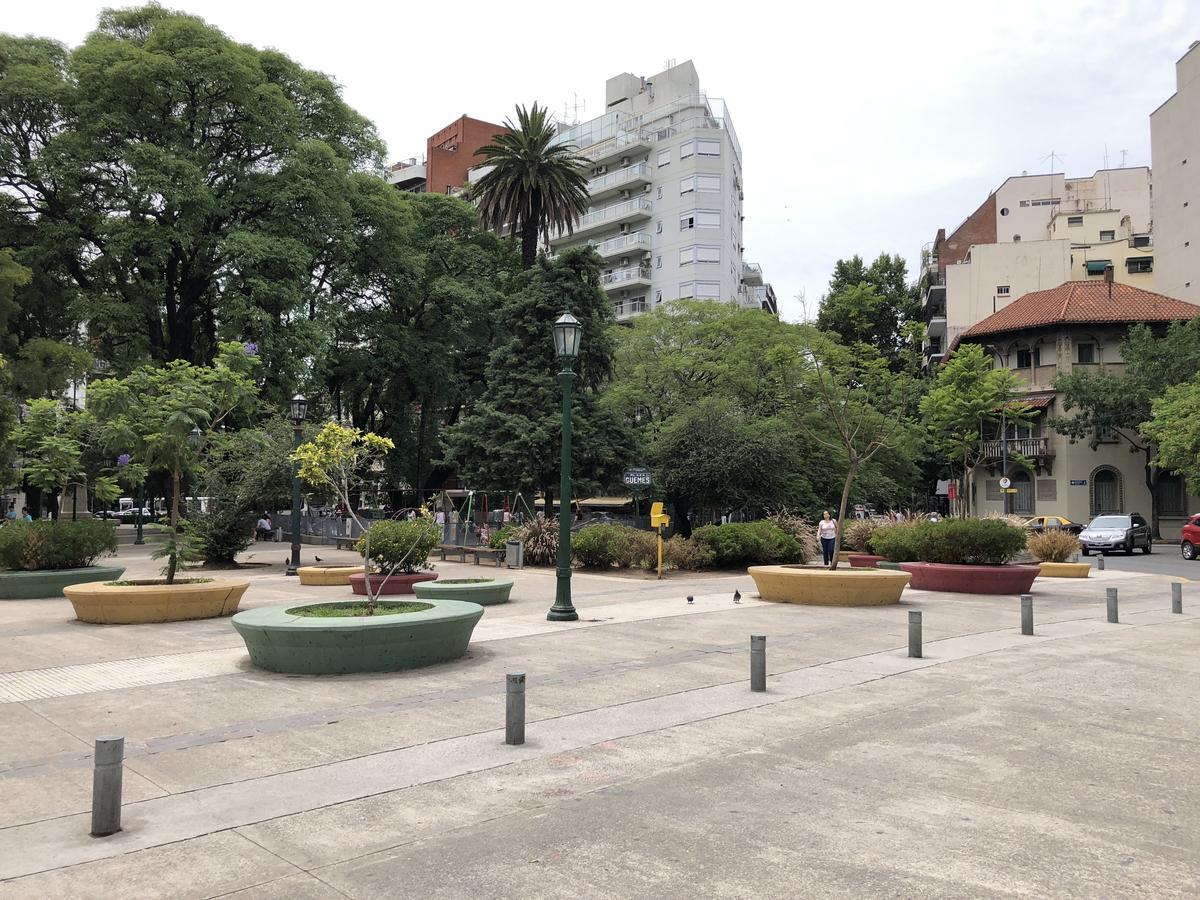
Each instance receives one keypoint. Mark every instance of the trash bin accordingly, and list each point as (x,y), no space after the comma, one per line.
(278,534)
(514,554)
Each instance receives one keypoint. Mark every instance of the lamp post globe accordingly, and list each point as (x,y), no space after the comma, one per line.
(298,407)
(567,333)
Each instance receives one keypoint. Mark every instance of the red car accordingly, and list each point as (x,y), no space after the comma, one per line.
(1190,538)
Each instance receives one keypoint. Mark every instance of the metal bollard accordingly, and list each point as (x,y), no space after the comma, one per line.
(914,633)
(1111,595)
(1176,597)
(758,662)
(1099,563)
(109,759)
(1027,614)
(514,708)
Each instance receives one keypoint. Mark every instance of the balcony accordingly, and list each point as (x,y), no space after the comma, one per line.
(752,274)
(934,303)
(630,276)
(629,176)
(625,244)
(637,209)
(936,327)
(408,175)
(1032,448)
(625,143)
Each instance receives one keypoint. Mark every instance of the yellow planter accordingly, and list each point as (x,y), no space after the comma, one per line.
(844,555)
(137,604)
(821,587)
(1064,570)
(327,575)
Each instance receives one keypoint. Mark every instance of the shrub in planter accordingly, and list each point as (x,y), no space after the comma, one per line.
(857,535)
(688,554)
(897,543)
(46,544)
(401,545)
(802,530)
(541,540)
(1053,546)
(503,535)
(971,542)
(739,544)
(597,547)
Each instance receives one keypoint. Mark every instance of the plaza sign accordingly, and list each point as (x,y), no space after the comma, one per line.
(637,477)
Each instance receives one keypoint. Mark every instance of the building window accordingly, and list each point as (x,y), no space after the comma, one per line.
(688,149)
(658,227)
(1141,240)
(1085,354)
(1096,266)
(1002,290)
(1137,264)
(708,290)
(687,290)
(637,305)
(1106,434)
(657,297)
(1004,210)
(1108,235)
(687,255)
(1106,491)
(1027,359)
(687,185)
(708,148)
(618,308)
(659,192)
(708,254)
(1172,498)
(1016,239)
(664,157)
(708,183)
(1074,220)
(658,262)
(708,218)
(1024,202)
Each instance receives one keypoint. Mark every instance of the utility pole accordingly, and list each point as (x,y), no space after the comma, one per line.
(1004,454)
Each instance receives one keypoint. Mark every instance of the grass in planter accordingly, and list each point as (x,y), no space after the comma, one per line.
(350,610)
(466,581)
(157,582)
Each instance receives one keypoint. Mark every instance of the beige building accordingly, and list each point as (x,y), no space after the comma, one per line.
(1078,325)
(1175,152)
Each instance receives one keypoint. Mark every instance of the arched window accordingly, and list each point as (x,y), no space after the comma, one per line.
(1022,502)
(1106,491)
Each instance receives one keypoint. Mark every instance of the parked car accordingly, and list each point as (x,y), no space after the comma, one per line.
(129,516)
(1190,538)
(1117,532)
(1038,524)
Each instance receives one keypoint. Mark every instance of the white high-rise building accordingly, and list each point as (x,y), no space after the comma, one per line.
(1175,152)
(666,191)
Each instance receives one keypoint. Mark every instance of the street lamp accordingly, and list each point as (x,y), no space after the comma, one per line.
(567,333)
(299,409)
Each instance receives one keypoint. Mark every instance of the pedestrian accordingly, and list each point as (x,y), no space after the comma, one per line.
(25,516)
(827,532)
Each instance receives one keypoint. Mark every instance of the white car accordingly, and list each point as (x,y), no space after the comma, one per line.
(1117,532)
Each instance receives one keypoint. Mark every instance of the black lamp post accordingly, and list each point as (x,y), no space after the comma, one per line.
(567,333)
(299,409)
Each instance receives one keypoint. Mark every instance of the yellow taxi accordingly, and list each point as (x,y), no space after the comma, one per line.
(1051,523)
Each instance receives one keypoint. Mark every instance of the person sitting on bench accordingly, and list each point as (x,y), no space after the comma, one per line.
(263,528)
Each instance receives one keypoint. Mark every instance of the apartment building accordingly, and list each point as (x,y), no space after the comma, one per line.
(449,156)
(1033,233)
(666,196)
(1175,153)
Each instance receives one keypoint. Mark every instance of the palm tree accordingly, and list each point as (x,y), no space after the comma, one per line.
(534,184)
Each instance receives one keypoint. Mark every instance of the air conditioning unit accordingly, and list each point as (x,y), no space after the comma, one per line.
(625,228)
(624,161)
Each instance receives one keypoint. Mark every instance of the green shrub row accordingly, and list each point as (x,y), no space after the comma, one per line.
(738,544)
(402,545)
(977,542)
(47,544)
(728,546)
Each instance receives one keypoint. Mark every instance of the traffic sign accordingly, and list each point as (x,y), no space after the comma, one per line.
(637,477)
(1008,490)
(1005,482)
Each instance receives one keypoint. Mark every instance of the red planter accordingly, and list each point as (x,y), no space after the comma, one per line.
(970,579)
(399,583)
(865,560)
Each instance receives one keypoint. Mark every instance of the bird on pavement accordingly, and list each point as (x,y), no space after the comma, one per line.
(737,596)
(317,558)
(690,598)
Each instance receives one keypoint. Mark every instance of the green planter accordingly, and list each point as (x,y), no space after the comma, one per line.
(47,583)
(300,645)
(484,591)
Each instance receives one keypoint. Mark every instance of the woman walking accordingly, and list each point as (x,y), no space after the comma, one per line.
(827,532)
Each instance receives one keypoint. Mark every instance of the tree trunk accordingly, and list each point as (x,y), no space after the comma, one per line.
(529,235)
(837,537)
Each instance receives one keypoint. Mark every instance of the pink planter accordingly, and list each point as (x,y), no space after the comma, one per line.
(971,579)
(865,560)
(399,583)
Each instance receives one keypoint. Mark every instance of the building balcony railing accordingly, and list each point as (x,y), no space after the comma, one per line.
(617,213)
(638,242)
(752,273)
(626,277)
(1033,448)
(624,143)
(621,178)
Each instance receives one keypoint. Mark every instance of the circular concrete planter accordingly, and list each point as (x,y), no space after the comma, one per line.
(324,576)
(484,591)
(971,579)
(399,583)
(154,601)
(45,583)
(821,587)
(865,560)
(1064,570)
(297,645)
(843,556)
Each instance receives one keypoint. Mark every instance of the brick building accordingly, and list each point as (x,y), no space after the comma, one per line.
(449,155)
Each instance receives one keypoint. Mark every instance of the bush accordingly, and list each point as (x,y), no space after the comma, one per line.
(685,553)
(973,542)
(502,535)
(223,532)
(897,543)
(401,545)
(802,530)
(740,544)
(857,535)
(541,540)
(603,546)
(46,544)
(1053,546)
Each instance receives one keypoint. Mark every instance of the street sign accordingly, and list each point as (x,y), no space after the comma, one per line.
(637,477)
(1006,482)
(1008,490)
(1078,482)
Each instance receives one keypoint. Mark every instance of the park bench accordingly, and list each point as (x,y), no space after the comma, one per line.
(490,553)
(346,543)
(462,551)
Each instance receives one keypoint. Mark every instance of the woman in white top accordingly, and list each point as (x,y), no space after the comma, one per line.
(827,532)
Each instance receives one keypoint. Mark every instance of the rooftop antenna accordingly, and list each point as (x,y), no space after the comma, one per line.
(670,63)
(572,107)
(1124,153)
(1054,158)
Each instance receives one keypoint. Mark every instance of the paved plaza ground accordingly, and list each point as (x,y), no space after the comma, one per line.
(1063,764)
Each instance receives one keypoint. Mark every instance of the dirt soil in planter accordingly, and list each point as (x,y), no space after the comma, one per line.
(349,610)
(162,582)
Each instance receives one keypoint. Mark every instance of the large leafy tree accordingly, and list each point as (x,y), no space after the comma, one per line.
(183,185)
(873,305)
(535,184)
(1174,428)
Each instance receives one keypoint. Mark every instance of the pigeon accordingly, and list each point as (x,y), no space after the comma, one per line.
(690,598)
(317,558)
(737,596)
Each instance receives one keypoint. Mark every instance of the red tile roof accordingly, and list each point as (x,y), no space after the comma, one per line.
(1083,302)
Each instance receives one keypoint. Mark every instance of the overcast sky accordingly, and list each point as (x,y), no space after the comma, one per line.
(864,126)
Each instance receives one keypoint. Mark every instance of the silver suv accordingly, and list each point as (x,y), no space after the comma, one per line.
(1116,532)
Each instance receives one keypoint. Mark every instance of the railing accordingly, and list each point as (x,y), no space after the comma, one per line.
(615,211)
(611,145)
(639,240)
(629,273)
(1031,447)
(620,176)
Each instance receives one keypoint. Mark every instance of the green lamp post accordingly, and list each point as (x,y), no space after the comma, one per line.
(299,409)
(567,333)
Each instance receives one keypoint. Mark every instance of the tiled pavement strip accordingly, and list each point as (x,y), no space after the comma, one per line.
(39,846)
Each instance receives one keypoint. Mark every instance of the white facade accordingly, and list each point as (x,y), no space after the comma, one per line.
(1175,152)
(666,190)
(1026,204)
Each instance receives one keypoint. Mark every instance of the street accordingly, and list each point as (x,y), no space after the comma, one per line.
(1165,560)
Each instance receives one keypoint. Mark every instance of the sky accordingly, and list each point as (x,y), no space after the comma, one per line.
(864,127)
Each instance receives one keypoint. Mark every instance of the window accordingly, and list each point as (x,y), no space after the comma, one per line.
(687,290)
(708,254)
(1085,353)
(708,290)
(657,297)
(1074,220)
(660,192)
(687,255)
(658,227)
(687,185)
(1108,235)
(1106,434)
(1002,290)
(708,148)
(637,305)
(1004,210)
(1096,266)
(664,157)
(1016,239)
(1027,359)
(708,218)
(1141,240)
(688,149)
(708,183)
(658,262)
(1136,264)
